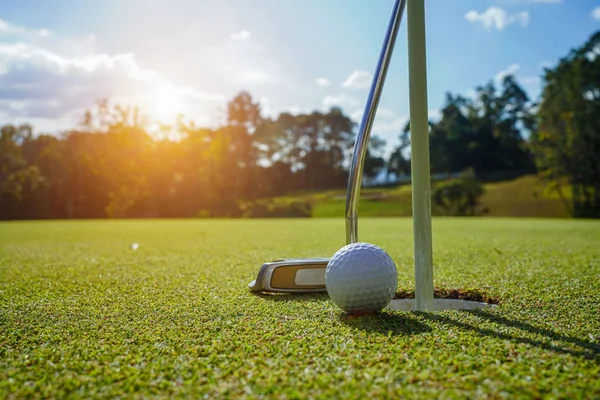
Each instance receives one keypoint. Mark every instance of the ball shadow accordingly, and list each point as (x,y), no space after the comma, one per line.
(386,323)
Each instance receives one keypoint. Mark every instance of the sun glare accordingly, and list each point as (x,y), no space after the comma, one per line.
(165,104)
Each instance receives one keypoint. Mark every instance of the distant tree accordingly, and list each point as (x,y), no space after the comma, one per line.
(113,164)
(452,139)
(242,110)
(501,119)
(48,154)
(18,180)
(398,162)
(315,146)
(567,144)
(485,133)
(116,145)
(243,119)
(374,161)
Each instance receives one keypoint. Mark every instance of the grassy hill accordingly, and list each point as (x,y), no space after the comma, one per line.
(521,197)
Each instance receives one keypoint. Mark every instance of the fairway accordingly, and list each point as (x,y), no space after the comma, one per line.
(84,315)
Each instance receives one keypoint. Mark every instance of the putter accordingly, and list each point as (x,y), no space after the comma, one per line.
(306,275)
(297,275)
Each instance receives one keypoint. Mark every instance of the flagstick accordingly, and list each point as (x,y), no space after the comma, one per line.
(419,132)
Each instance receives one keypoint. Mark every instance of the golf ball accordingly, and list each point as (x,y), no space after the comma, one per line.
(361,278)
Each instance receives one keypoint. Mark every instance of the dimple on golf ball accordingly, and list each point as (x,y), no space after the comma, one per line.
(361,278)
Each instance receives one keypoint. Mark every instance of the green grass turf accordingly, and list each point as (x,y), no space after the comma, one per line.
(84,316)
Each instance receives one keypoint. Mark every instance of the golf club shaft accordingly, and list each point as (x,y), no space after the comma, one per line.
(362,140)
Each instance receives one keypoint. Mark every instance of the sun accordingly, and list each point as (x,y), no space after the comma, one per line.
(165,103)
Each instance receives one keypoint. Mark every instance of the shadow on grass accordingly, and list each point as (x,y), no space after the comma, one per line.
(499,319)
(579,347)
(390,324)
(383,322)
(292,296)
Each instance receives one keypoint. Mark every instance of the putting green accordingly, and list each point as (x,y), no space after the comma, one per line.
(82,314)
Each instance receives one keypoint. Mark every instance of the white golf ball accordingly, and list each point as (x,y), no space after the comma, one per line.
(361,278)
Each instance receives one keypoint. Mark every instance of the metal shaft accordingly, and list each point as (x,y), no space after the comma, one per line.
(419,140)
(362,140)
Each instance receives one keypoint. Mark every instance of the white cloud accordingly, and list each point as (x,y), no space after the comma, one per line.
(382,113)
(385,113)
(266,108)
(357,115)
(242,35)
(339,101)
(38,83)
(510,70)
(250,75)
(46,39)
(497,18)
(434,115)
(246,63)
(395,125)
(8,29)
(323,82)
(295,110)
(48,78)
(596,13)
(358,80)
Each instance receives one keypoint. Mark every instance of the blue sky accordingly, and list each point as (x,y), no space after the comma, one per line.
(193,56)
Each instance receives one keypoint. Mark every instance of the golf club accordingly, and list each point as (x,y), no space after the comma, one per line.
(308,275)
(299,275)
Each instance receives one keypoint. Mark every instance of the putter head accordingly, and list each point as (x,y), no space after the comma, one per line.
(300,275)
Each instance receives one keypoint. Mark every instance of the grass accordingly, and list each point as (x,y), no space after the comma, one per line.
(521,197)
(82,315)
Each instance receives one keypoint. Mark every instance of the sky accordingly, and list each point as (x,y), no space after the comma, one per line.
(193,56)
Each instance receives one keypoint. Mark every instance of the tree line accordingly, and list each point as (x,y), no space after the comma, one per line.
(111,165)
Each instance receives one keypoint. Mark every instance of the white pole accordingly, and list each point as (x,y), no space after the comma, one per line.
(419,139)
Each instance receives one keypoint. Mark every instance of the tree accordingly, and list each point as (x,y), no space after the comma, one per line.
(452,140)
(567,144)
(315,146)
(485,133)
(18,180)
(243,111)
(48,154)
(116,145)
(398,162)
(243,119)
(374,161)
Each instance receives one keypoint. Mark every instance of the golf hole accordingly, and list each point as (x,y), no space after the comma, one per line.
(446,299)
